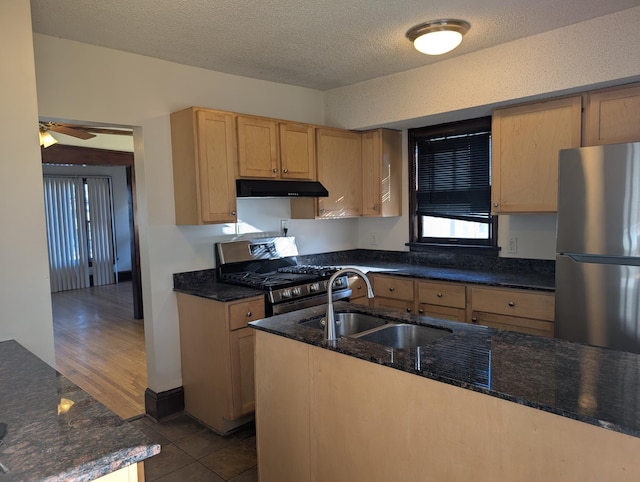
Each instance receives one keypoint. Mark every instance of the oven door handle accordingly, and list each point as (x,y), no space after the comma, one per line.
(290,306)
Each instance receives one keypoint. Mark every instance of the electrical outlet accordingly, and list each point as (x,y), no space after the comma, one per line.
(284,226)
(373,239)
(513,246)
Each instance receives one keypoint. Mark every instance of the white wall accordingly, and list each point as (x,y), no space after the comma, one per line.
(596,53)
(79,82)
(120,193)
(24,272)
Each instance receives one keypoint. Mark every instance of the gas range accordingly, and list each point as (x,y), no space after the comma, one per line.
(270,264)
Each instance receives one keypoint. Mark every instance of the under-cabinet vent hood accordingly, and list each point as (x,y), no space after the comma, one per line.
(269,188)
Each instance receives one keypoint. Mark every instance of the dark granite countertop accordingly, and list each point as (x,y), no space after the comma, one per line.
(86,442)
(501,272)
(592,385)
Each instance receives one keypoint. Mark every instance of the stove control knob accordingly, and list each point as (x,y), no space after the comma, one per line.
(314,287)
(286,293)
(297,291)
(338,282)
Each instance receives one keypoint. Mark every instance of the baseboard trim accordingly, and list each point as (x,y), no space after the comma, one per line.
(124,275)
(164,404)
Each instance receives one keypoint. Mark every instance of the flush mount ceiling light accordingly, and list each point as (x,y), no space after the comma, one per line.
(437,37)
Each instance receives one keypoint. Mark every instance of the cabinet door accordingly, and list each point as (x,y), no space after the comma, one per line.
(241,344)
(203,146)
(444,312)
(525,145)
(216,142)
(297,151)
(257,147)
(339,157)
(612,116)
(393,287)
(382,173)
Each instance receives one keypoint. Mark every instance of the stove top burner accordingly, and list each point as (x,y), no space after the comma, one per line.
(321,271)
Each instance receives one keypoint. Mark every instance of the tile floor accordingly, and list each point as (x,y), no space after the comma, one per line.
(192,452)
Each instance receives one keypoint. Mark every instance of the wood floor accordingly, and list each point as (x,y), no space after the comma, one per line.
(100,347)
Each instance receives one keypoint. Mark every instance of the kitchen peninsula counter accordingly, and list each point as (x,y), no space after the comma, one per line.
(477,404)
(57,431)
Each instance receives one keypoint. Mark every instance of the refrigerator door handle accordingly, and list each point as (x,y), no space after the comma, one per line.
(584,258)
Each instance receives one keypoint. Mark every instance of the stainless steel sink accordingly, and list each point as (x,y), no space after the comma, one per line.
(402,335)
(349,323)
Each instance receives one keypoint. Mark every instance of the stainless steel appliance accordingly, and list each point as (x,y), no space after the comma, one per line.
(270,264)
(598,246)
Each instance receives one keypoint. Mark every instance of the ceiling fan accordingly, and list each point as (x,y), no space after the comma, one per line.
(74,130)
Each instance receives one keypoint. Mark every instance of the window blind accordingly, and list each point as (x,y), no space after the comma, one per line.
(453,176)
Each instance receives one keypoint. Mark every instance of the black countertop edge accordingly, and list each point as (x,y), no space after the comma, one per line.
(542,373)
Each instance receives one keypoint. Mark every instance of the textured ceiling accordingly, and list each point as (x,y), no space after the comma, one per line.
(317,44)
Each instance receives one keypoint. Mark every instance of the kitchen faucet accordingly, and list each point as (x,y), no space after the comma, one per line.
(330,319)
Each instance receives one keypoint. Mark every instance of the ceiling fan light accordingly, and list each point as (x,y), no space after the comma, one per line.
(46,139)
(438,36)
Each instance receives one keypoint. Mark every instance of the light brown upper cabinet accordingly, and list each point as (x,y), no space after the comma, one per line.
(525,145)
(339,159)
(382,173)
(268,148)
(203,144)
(612,116)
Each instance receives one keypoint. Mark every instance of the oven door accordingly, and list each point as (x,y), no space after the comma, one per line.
(308,302)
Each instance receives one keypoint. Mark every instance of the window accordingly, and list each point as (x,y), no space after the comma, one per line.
(451,179)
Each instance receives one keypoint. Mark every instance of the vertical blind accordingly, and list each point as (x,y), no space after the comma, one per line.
(453,176)
(79,231)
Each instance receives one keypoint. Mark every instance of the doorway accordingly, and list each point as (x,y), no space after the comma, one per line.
(98,328)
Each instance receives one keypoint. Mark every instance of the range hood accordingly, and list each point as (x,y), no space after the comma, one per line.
(272,188)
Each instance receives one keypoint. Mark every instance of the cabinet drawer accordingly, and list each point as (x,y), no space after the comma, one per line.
(357,287)
(393,304)
(443,294)
(443,312)
(512,323)
(525,304)
(393,287)
(245,311)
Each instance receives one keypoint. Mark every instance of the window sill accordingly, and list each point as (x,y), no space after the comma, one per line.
(492,251)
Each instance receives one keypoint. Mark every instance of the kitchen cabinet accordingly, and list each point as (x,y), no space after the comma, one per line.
(268,148)
(382,173)
(367,419)
(525,311)
(358,291)
(612,115)
(394,292)
(217,359)
(339,165)
(203,144)
(525,144)
(441,299)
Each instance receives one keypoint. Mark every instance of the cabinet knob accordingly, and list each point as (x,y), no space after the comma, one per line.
(249,313)
(495,205)
(375,207)
(439,295)
(420,311)
(511,304)
(359,287)
(474,320)
(286,171)
(392,288)
(274,170)
(408,310)
(233,213)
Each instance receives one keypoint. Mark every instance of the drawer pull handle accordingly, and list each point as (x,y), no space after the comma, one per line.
(274,170)
(249,313)
(511,304)
(439,295)
(359,287)
(286,171)
(420,311)
(474,320)
(408,310)
(392,289)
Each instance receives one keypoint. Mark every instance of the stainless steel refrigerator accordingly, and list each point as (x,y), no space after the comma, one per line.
(598,246)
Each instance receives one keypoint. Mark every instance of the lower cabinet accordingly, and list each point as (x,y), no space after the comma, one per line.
(394,292)
(524,311)
(217,359)
(358,291)
(442,300)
